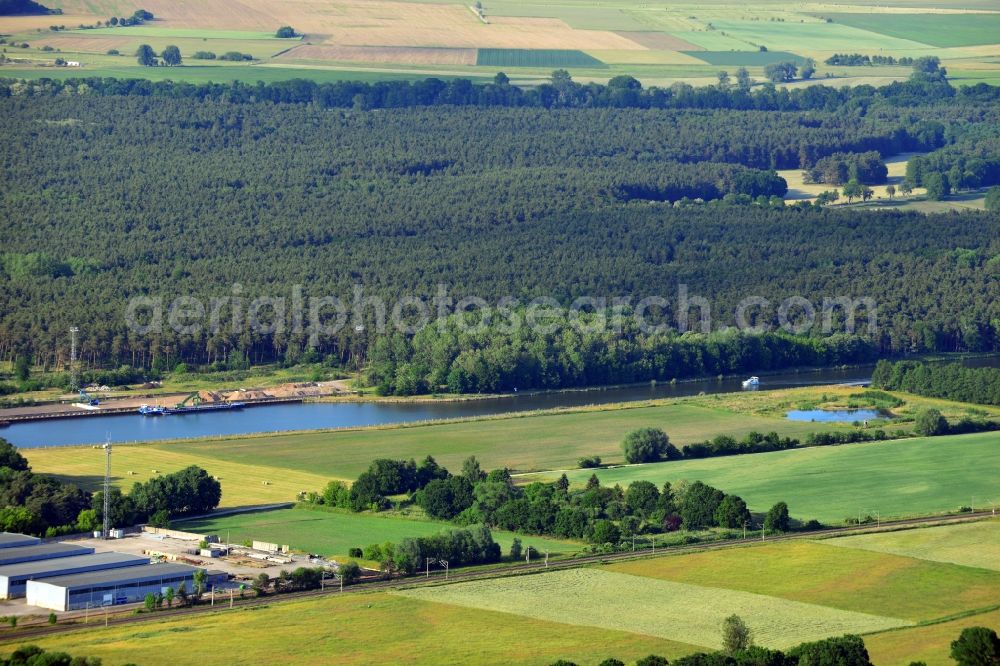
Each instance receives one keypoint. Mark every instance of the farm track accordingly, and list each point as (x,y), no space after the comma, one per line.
(20,636)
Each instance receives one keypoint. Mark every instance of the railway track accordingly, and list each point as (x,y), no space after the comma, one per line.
(438,578)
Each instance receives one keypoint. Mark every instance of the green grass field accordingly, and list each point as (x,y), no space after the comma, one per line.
(535,58)
(654,607)
(971,544)
(749,58)
(934,29)
(333,533)
(844,578)
(358,629)
(798,37)
(832,483)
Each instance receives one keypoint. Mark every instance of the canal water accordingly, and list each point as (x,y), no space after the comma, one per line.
(318,415)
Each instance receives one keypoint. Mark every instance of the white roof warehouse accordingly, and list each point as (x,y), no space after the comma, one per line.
(109,587)
(14,577)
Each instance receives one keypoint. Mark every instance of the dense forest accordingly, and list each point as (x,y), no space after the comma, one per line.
(119,189)
(953,381)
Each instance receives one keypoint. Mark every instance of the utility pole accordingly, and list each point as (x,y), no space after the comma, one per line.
(428,560)
(546,559)
(107,489)
(761,532)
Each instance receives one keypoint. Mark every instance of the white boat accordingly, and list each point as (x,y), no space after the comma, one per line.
(753,382)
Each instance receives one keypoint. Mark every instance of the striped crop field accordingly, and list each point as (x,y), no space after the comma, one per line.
(661,608)
(536,58)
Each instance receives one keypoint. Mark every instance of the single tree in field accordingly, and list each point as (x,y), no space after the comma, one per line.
(646,445)
(808,69)
(976,646)
(516,551)
(777,518)
(867,193)
(736,635)
(906,188)
(145,55)
(852,190)
(285,32)
(890,191)
(743,80)
(780,72)
(171,56)
(724,81)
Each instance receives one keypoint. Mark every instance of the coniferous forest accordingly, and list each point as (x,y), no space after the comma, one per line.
(114,189)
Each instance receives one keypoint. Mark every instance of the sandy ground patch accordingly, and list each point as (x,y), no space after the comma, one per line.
(660,41)
(391,54)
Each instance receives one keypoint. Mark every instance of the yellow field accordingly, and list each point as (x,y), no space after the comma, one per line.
(359,629)
(972,544)
(242,484)
(929,644)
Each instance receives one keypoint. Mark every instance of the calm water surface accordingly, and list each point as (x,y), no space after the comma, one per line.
(309,416)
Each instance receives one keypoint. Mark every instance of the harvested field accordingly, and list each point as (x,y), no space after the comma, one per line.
(675,611)
(660,41)
(971,544)
(369,23)
(408,55)
(15,24)
(80,44)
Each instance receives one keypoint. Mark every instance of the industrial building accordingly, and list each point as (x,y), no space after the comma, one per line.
(14,577)
(41,551)
(109,587)
(13,540)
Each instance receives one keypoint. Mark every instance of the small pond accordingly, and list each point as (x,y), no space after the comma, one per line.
(831,415)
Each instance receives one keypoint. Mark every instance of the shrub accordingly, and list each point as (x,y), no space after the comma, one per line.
(930,422)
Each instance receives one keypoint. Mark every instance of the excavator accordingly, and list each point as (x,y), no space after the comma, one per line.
(86,399)
(194,399)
